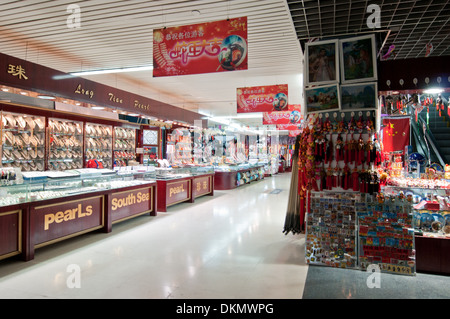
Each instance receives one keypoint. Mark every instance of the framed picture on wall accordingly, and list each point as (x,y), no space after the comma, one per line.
(358,59)
(321,62)
(359,97)
(322,99)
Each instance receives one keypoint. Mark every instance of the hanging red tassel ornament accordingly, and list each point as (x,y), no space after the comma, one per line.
(368,149)
(346,178)
(360,151)
(360,124)
(355,180)
(339,148)
(329,179)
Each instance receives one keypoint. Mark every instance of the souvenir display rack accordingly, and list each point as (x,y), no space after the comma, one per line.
(356,230)
(23,141)
(65,144)
(98,145)
(331,232)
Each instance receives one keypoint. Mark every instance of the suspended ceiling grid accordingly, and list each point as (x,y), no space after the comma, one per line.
(408,25)
(118,34)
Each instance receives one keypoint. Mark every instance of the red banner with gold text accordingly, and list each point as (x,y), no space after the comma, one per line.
(201,48)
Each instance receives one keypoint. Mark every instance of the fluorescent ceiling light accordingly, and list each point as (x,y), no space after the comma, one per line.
(433,91)
(46,97)
(108,71)
(98,108)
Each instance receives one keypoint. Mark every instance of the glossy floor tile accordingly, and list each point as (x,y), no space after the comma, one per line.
(226,246)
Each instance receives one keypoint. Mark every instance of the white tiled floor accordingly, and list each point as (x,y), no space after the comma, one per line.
(227,246)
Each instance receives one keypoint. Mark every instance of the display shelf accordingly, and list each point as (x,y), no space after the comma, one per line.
(23,141)
(65,144)
(98,145)
(124,146)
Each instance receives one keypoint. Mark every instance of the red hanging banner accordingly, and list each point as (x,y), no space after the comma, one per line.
(293,116)
(395,134)
(271,98)
(201,48)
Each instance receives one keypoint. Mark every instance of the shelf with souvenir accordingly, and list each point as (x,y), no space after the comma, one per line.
(431,222)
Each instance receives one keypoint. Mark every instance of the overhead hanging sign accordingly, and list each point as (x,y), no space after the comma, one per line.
(271,98)
(292,116)
(201,48)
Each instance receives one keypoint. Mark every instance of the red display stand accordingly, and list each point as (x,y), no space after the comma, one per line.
(29,226)
(178,190)
(228,180)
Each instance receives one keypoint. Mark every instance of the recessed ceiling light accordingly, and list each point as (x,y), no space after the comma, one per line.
(195,12)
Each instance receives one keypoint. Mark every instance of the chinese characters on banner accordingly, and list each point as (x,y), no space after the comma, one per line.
(200,48)
(395,134)
(272,98)
(291,116)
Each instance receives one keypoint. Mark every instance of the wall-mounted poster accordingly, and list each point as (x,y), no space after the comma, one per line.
(322,62)
(359,97)
(271,98)
(358,59)
(322,99)
(201,48)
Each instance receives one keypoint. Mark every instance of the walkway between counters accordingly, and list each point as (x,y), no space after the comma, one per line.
(227,246)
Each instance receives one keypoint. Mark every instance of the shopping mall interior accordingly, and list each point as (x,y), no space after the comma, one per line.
(223,150)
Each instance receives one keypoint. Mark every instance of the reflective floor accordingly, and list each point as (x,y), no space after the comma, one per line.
(229,246)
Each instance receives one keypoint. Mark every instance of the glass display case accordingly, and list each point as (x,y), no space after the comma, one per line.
(52,184)
(431,208)
(98,145)
(179,147)
(65,144)
(23,141)
(124,145)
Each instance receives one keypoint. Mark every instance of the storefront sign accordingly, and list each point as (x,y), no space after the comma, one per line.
(272,98)
(60,220)
(129,203)
(29,76)
(202,186)
(200,48)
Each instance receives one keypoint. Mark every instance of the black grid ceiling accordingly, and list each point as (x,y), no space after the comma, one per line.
(409,25)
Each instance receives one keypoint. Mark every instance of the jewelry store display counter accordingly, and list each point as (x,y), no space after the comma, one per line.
(43,210)
(177,185)
(230,177)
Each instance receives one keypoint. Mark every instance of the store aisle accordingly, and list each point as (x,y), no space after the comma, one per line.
(227,246)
